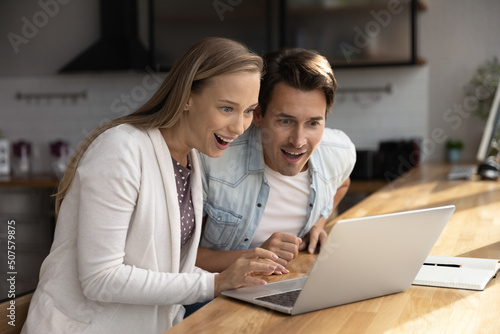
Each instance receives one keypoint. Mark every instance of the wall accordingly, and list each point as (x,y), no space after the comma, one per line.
(456,36)
(42,121)
(369,118)
(39,37)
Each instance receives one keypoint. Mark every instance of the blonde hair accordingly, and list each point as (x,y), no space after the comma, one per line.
(205,59)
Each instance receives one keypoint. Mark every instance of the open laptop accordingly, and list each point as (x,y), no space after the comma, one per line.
(362,258)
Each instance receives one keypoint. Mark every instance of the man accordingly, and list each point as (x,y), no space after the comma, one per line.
(277,184)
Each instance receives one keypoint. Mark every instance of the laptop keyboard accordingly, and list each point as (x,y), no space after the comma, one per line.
(284,299)
(462,172)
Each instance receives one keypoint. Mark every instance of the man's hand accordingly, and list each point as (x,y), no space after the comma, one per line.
(286,246)
(316,237)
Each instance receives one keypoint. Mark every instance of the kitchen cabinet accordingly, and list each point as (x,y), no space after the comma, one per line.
(27,221)
(348,33)
(176,25)
(354,33)
(89,37)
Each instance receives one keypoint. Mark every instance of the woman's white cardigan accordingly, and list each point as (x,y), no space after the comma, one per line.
(116,264)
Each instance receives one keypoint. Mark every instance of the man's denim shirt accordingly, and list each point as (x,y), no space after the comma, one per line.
(236,191)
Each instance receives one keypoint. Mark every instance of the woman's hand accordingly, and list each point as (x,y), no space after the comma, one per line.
(241,273)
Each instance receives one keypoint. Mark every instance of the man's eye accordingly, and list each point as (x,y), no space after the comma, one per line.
(285,121)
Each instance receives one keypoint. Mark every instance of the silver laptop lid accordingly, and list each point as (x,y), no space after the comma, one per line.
(371,256)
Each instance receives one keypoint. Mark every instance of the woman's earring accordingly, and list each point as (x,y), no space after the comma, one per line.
(186,108)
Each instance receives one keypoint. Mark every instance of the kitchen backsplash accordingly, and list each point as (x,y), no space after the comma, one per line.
(370,117)
(45,109)
(42,110)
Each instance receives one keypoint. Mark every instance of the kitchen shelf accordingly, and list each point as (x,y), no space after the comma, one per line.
(32,181)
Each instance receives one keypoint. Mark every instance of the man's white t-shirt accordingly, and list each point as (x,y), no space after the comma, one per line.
(286,206)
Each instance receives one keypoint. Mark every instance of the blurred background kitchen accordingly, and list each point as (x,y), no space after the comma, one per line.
(67,66)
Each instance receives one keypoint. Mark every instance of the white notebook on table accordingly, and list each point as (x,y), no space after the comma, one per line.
(457,272)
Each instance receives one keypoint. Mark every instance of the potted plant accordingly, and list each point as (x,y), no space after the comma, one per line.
(482,87)
(454,150)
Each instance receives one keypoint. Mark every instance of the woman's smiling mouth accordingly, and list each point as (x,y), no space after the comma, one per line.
(222,142)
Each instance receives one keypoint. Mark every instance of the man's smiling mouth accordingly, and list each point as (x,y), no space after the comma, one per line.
(292,156)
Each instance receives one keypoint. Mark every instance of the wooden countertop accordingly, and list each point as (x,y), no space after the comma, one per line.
(32,180)
(50,181)
(473,231)
(366,186)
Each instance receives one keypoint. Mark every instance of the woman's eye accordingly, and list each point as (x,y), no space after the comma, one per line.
(227,109)
(249,111)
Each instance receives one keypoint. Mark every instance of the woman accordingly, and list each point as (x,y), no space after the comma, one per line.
(130,205)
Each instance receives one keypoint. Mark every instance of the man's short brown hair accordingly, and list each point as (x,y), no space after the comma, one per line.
(299,68)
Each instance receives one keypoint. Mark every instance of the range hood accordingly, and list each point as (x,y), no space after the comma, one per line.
(118,47)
